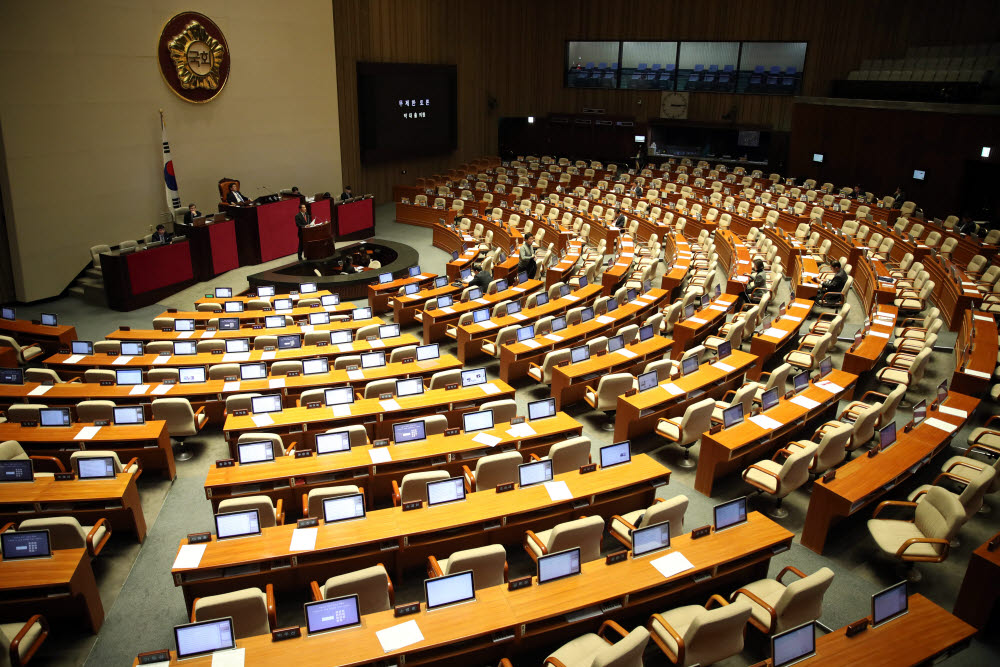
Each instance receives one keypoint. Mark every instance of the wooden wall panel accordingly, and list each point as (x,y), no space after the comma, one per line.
(513,52)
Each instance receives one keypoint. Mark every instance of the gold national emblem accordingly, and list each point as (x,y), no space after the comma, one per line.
(193,56)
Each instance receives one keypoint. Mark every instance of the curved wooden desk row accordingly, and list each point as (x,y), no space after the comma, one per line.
(376,415)
(379,294)
(862,480)
(502,622)
(149,442)
(975,353)
(781,337)
(245,298)
(436,321)
(863,357)
(202,316)
(451,240)
(375,468)
(251,331)
(692,331)
(27,332)
(735,258)
(405,308)
(60,587)
(677,254)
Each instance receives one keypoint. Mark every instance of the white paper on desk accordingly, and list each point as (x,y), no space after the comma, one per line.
(628,354)
(235,357)
(307,328)
(672,389)
(208,334)
(233,385)
(73,359)
(800,305)
(276,383)
(532,343)
(805,402)
(489,388)
(558,491)
(723,367)
(355,375)
(87,433)
(399,636)
(184,334)
(766,422)
(955,412)
(486,439)
(161,389)
(487,324)
(520,317)
(696,320)
(518,289)
(380,455)
(521,430)
(983,317)
(672,564)
(481,300)
(448,309)
(831,387)
(189,556)
(605,319)
(343,410)
(555,338)
(345,347)
(718,307)
(976,374)
(262,420)
(941,425)
(40,389)
(231,658)
(330,309)
(267,356)
(120,361)
(878,334)
(160,360)
(138,390)
(303,539)
(389,404)
(570,297)
(377,343)
(772,332)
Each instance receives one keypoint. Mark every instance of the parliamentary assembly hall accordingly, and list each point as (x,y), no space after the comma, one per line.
(400,333)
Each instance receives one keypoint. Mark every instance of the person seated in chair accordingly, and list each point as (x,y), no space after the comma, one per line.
(161,235)
(621,221)
(346,194)
(758,280)
(526,258)
(482,278)
(234,196)
(834,284)
(966,225)
(191,214)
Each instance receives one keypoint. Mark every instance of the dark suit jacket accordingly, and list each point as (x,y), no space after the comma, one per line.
(621,221)
(344,195)
(232,199)
(481,280)
(302,221)
(188,217)
(162,239)
(836,283)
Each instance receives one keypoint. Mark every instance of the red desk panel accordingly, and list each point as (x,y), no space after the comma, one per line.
(159,267)
(276,227)
(223,240)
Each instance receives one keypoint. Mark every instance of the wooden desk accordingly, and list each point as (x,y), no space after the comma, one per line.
(48,338)
(863,480)
(769,343)
(299,312)
(639,413)
(116,500)
(436,321)
(62,586)
(805,277)
(981,586)
(407,309)
(953,294)
(862,358)
(734,448)
(380,293)
(563,269)
(975,353)
(869,288)
(676,247)
(694,330)
(569,382)
(735,259)
(250,332)
(146,275)
(246,298)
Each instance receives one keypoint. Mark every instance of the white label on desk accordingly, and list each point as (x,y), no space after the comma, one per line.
(558,491)
(73,359)
(231,386)
(800,305)
(276,383)
(672,389)
(717,307)
(377,343)
(672,564)
(774,333)
(262,420)
(955,412)
(570,297)
(235,357)
(303,539)
(941,425)
(345,347)
(976,374)
(489,388)
(532,343)
(481,300)
(520,317)
(723,367)
(399,636)
(522,430)
(488,324)
(161,389)
(189,556)
(121,361)
(605,319)
(518,289)
(330,309)
(40,389)
(968,283)
(486,439)
(793,318)
(343,410)
(804,402)
(696,320)
(283,311)
(160,360)
(231,658)
(208,334)
(423,276)
(138,390)
(628,354)
(766,422)
(555,338)
(831,387)
(449,310)
(982,317)
(87,433)
(267,356)
(878,334)
(389,404)
(184,334)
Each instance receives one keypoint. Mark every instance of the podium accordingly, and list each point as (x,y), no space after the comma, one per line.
(264,231)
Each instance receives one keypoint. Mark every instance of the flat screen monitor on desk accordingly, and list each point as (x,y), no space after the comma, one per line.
(332,614)
(373,360)
(129,415)
(344,508)
(185,347)
(541,299)
(578,354)
(919,412)
(648,381)
(413,271)
(265,404)
(341,337)
(411,289)
(274,321)
(480,315)
(16,471)
(282,304)
(428,352)
(889,604)
(54,417)
(452,589)
(689,365)
(131,348)
(330,443)
(886,436)
(542,409)
(95,467)
(229,324)
(525,333)
(315,366)
(261,451)
(443,491)
(477,421)
(223,292)
(769,399)
(254,371)
(289,342)
(942,391)
(537,472)
(11,376)
(7,314)
(645,332)
(649,539)
(205,637)
(49,319)
(559,565)
(825,367)
(237,524)
(184,325)
(794,646)
(513,308)
(388,331)
(319,318)
(558,324)
(730,514)
(307,288)
(616,454)
(732,416)
(588,314)
(725,349)
(84,347)
(191,374)
(615,343)
(688,311)
(233,306)
(404,432)
(444,302)
(330,300)
(361,314)
(384,278)
(339,396)
(473,377)
(800,382)
(25,544)
(409,387)
(265,290)
(440,282)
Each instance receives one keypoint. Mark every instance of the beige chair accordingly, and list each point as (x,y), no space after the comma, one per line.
(11,450)
(596,650)
(65,532)
(312,502)
(777,607)
(376,388)
(24,354)
(926,537)
(585,532)
(400,353)
(442,379)
(372,585)
(252,610)
(132,467)
(834,440)
(621,526)
(98,375)
(414,486)
(163,375)
(20,641)
(808,358)
(222,371)
(277,444)
(780,477)
(24,412)
(159,346)
(206,346)
(543,373)
(433,424)
(687,430)
(905,369)
(983,441)
(91,411)
(503,410)
(182,421)
(567,455)
(346,361)
(605,396)
(974,489)
(744,395)
(268,515)
(41,375)
(239,402)
(697,635)
(488,565)
(491,471)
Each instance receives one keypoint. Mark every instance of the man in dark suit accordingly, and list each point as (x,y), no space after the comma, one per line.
(836,283)
(235,196)
(482,279)
(966,226)
(161,235)
(758,280)
(346,194)
(621,221)
(899,197)
(191,214)
(301,221)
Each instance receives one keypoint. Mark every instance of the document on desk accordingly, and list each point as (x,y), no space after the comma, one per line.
(232,385)
(805,402)
(73,359)
(831,387)
(231,658)
(389,405)
(276,383)
(355,375)
(189,556)
(86,433)
(40,389)
(343,410)
(672,564)
(766,422)
(307,328)
(976,374)
(772,332)
(532,343)
(161,389)
(696,320)
(377,343)
(380,455)
(981,317)
(481,300)
(555,338)
(716,306)
(399,636)
(345,347)
(558,491)
(801,305)
(262,420)
(162,359)
(878,334)
(571,298)
(793,318)
(208,334)
(489,388)
(723,367)
(520,317)
(522,430)
(303,539)
(628,354)
(488,324)
(487,439)
(235,357)
(138,390)
(267,356)
(120,361)
(955,412)
(941,425)
(184,334)
(672,389)
(605,319)
(448,310)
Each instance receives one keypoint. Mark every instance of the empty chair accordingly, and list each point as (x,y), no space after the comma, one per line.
(132,467)
(777,607)
(596,650)
(279,368)
(786,471)
(371,584)
(975,486)
(267,513)
(585,532)
(24,354)
(661,510)
(503,410)
(834,439)
(568,455)
(24,412)
(252,610)
(65,532)
(98,375)
(182,421)
(42,375)
(312,502)
(743,395)
(687,430)
(162,375)
(91,411)
(19,641)
(414,486)
(543,373)
(697,635)
(442,379)
(605,396)
(375,388)
(492,470)
(488,565)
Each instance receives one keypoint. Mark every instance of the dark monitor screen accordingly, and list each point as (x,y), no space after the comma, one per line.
(942,390)
(339,396)
(688,311)
(261,451)
(689,365)
(705,300)
(408,432)
(795,645)
(564,290)
(128,376)
(541,299)
(649,539)
(451,589)
(129,414)
(205,637)
(473,377)
(769,399)
(445,491)
(54,417)
(413,271)
(229,324)
(25,544)
(315,366)
(612,304)
(558,565)
(265,404)
(825,367)
(131,348)
(646,332)
(537,472)
(344,508)
(255,371)
(730,513)
(11,376)
(330,443)
(542,409)
(237,524)
(889,604)
(648,381)
(725,349)
(578,354)
(587,314)
(732,416)
(16,471)
(95,467)
(887,435)
(616,454)
(477,421)
(332,614)
(800,382)
(289,342)
(919,412)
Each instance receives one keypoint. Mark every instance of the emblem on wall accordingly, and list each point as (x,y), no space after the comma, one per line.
(193,57)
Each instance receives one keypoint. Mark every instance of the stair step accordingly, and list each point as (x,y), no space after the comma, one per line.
(94,272)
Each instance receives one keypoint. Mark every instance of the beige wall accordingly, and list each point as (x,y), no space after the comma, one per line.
(81,90)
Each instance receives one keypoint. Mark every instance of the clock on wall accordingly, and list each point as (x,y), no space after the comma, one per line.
(674,105)
(193,57)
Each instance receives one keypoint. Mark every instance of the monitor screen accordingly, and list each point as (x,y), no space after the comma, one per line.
(473,377)
(537,472)
(919,412)
(95,467)
(254,371)
(229,324)
(282,304)
(265,404)
(261,451)
(612,304)
(7,313)
(11,376)
(525,333)
(205,637)
(889,603)
(237,345)
(384,278)
(444,302)
(451,589)
(558,324)
(184,325)
(501,285)
(330,443)
(388,331)
(792,646)
(408,432)
(558,565)
(428,352)
(817,157)
(409,387)
(800,381)
(319,318)
(616,454)
(16,471)
(887,435)
(413,271)
(583,282)
(942,391)
(332,614)
(522,277)
(411,289)
(130,414)
(274,321)
(769,399)
(464,274)
(689,311)
(652,538)
(289,342)
(265,290)
(189,374)
(440,282)
(648,380)
(344,508)
(341,337)
(445,491)
(339,396)
(689,365)
(541,299)
(730,513)
(315,366)
(578,354)
(825,367)
(645,332)
(513,308)
(587,314)
(480,315)
(542,409)
(718,291)
(128,376)
(564,290)
(237,524)
(361,314)
(477,421)
(81,347)
(725,349)
(307,288)
(705,300)
(131,349)
(185,347)
(330,299)
(919,174)
(223,292)
(475,293)
(631,294)
(616,343)
(373,360)
(732,416)
(54,417)
(25,544)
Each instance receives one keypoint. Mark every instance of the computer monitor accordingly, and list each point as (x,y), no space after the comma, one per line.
(185,347)
(361,314)
(403,432)
(96,467)
(409,387)
(223,292)
(689,365)
(725,349)
(319,318)
(11,376)
(330,443)
(237,524)
(25,544)
(942,391)
(886,436)
(615,343)
(190,374)
(229,324)
(612,304)
(645,332)
(307,288)
(413,271)
(54,417)
(131,348)
(919,412)
(444,301)
(541,299)
(825,367)
(440,282)
(475,293)
(448,590)
(344,508)
(718,291)
(428,352)
(587,314)
(542,409)
(332,614)
(315,366)
(769,399)
(513,308)
(330,299)
(204,637)
(16,471)
(616,454)
(49,319)
(282,304)
(705,300)
(254,371)
(341,337)
(464,274)
(522,277)
(7,313)
(501,285)
(564,290)
(890,603)
(781,310)
(477,421)
(649,539)
(384,278)
(339,396)
(794,646)
(274,321)
(558,324)
(411,289)
(578,354)
(730,513)
(800,382)
(473,377)
(480,315)
(184,325)
(688,311)
(265,290)
(536,472)
(373,360)
(583,282)
(732,416)
(232,306)
(525,333)
(128,415)
(289,342)
(85,347)
(558,565)
(648,381)
(631,294)
(259,451)
(445,491)
(265,404)
(388,331)
(128,376)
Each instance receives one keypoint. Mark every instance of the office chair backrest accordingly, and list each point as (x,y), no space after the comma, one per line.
(569,455)
(315,498)
(503,410)
(487,564)
(696,420)
(940,514)
(91,411)
(497,469)
(263,504)
(802,600)
(371,585)
(65,532)
(671,510)
(979,485)
(247,607)
(627,652)
(585,533)
(716,634)
(277,446)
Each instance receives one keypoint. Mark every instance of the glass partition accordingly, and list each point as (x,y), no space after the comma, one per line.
(649,65)
(592,64)
(708,65)
(771,67)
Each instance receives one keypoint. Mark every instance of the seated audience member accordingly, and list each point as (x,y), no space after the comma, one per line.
(161,235)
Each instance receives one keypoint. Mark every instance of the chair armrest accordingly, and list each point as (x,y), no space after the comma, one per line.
(138,466)
(627,523)
(609,624)
(433,569)
(316,592)
(901,552)
(532,364)
(279,512)
(78,380)
(197,423)
(555,662)
(865,399)
(395,494)
(272,612)
(53,460)
(768,608)
(677,659)
(470,479)
(305,504)
(793,570)
(15,644)
(781,452)
(727,397)
(95,549)
(892,503)
(7,526)
(950,476)
(754,466)
(530,535)
(671,421)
